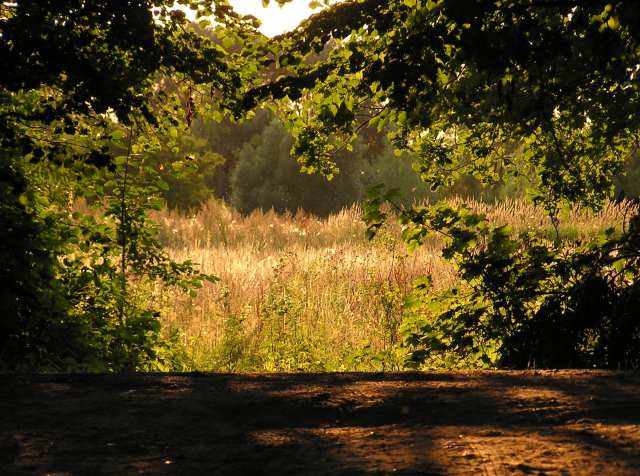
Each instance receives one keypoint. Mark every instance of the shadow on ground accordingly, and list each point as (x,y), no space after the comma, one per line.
(570,422)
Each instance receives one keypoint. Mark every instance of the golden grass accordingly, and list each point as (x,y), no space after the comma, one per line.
(298,292)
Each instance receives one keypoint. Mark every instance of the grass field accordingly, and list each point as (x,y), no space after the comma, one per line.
(299,293)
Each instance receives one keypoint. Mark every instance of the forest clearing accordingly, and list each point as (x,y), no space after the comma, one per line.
(326,237)
(302,293)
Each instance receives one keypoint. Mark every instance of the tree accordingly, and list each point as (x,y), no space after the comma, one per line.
(467,85)
(267,177)
(465,81)
(83,93)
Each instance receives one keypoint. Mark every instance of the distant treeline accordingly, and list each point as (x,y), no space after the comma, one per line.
(250,166)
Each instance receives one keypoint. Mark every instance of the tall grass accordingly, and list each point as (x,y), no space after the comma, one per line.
(301,293)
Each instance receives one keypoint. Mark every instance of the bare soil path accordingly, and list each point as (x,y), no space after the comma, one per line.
(471,423)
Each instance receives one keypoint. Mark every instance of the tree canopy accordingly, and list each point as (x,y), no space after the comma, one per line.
(469,84)
(479,87)
(96,90)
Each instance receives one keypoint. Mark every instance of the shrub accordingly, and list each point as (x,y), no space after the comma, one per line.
(35,331)
(524,301)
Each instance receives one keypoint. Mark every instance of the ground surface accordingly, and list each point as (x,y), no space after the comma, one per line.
(530,423)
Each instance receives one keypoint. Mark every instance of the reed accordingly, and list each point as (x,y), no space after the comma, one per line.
(298,293)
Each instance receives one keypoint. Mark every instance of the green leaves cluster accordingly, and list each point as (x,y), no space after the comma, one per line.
(487,89)
(84,107)
(468,88)
(524,301)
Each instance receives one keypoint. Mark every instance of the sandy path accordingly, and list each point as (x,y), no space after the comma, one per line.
(474,423)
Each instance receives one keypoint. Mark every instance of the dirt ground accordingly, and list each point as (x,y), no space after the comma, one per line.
(472,423)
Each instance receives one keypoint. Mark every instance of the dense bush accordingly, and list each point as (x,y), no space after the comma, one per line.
(525,301)
(34,329)
(75,287)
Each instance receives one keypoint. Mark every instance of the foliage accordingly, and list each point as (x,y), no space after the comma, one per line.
(227,138)
(467,87)
(524,301)
(34,320)
(488,90)
(76,69)
(285,348)
(124,252)
(104,261)
(189,168)
(102,56)
(396,171)
(199,162)
(267,177)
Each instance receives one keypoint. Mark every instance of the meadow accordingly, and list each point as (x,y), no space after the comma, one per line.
(301,293)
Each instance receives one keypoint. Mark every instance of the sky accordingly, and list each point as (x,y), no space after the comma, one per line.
(275,19)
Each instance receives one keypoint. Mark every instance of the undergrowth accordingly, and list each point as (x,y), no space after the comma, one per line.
(301,294)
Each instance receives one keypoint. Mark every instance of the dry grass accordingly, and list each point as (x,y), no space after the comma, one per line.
(303,293)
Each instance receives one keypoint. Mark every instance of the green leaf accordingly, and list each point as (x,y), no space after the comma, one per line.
(117,135)
(163,185)
(228,42)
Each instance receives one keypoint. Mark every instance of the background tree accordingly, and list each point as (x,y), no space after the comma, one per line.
(267,177)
